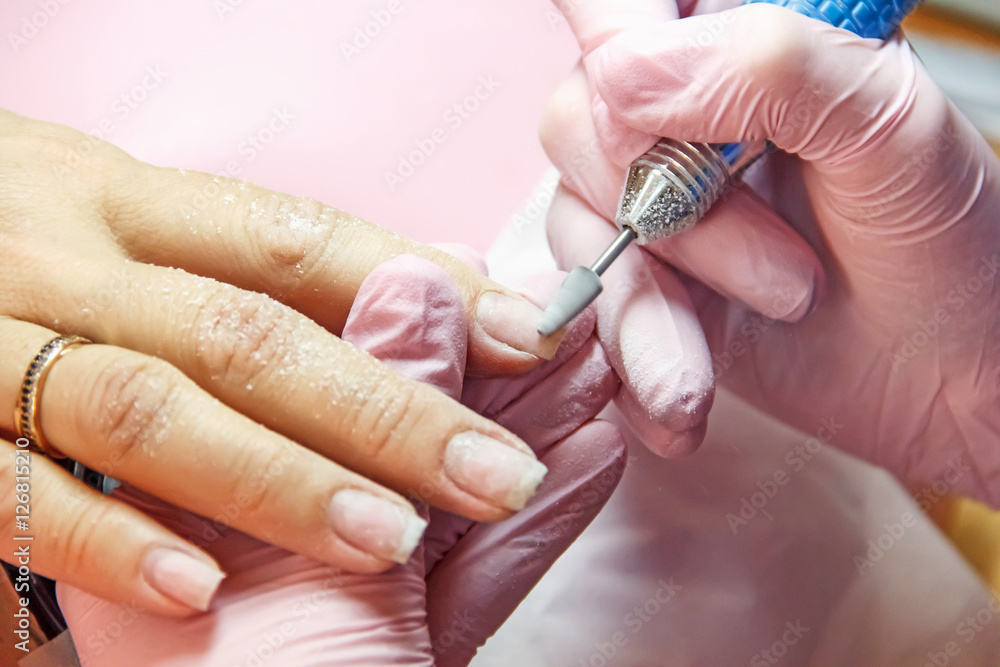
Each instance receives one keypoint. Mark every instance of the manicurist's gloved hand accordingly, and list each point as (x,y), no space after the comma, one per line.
(748,254)
(463,581)
(892,187)
(216,379)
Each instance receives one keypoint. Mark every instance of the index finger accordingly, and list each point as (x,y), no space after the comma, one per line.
(303,253)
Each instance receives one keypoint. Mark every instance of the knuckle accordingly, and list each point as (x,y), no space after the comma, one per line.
(240,335)
(131,405)
(82,542)
(290,237)
(257,488)
(389,411)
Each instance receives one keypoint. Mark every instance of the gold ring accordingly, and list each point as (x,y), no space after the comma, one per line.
(27,414)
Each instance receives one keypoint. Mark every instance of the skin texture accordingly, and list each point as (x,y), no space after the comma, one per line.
(215,307)
(889,184)
(278,603)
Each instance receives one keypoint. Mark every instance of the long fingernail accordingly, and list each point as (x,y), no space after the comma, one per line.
(514,322)
(375,525)
(492,470)
(182,577)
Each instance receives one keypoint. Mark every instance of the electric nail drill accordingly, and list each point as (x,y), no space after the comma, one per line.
(671,186)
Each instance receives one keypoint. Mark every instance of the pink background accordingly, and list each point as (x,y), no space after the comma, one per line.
(227,71)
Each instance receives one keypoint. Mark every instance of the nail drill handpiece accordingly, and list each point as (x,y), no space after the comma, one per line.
(670,187)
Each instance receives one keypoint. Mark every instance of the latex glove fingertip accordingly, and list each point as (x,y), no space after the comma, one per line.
(660,438)
(410,314)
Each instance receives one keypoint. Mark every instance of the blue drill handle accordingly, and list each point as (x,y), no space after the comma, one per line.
(867,18)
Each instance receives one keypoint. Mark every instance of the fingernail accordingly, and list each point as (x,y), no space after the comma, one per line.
(182,577)
(492,470)
(514,322)
(375,525)
(818,292)
(678,444)
(801,307)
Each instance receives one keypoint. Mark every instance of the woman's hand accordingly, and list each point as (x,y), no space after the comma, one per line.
(284,605)
(894,189)
(216,381)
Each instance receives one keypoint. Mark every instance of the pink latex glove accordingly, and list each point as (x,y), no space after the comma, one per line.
(276,603)
(748,253)
(894,189)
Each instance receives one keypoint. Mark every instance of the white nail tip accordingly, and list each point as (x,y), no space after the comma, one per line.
(522,492)
(413,530)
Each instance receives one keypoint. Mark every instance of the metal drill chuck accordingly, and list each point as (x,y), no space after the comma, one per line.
(671,186)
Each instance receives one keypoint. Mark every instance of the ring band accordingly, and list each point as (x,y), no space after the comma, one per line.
(27,414)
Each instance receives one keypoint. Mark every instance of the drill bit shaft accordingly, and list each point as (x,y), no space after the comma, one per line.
(668,189)
(581,287)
